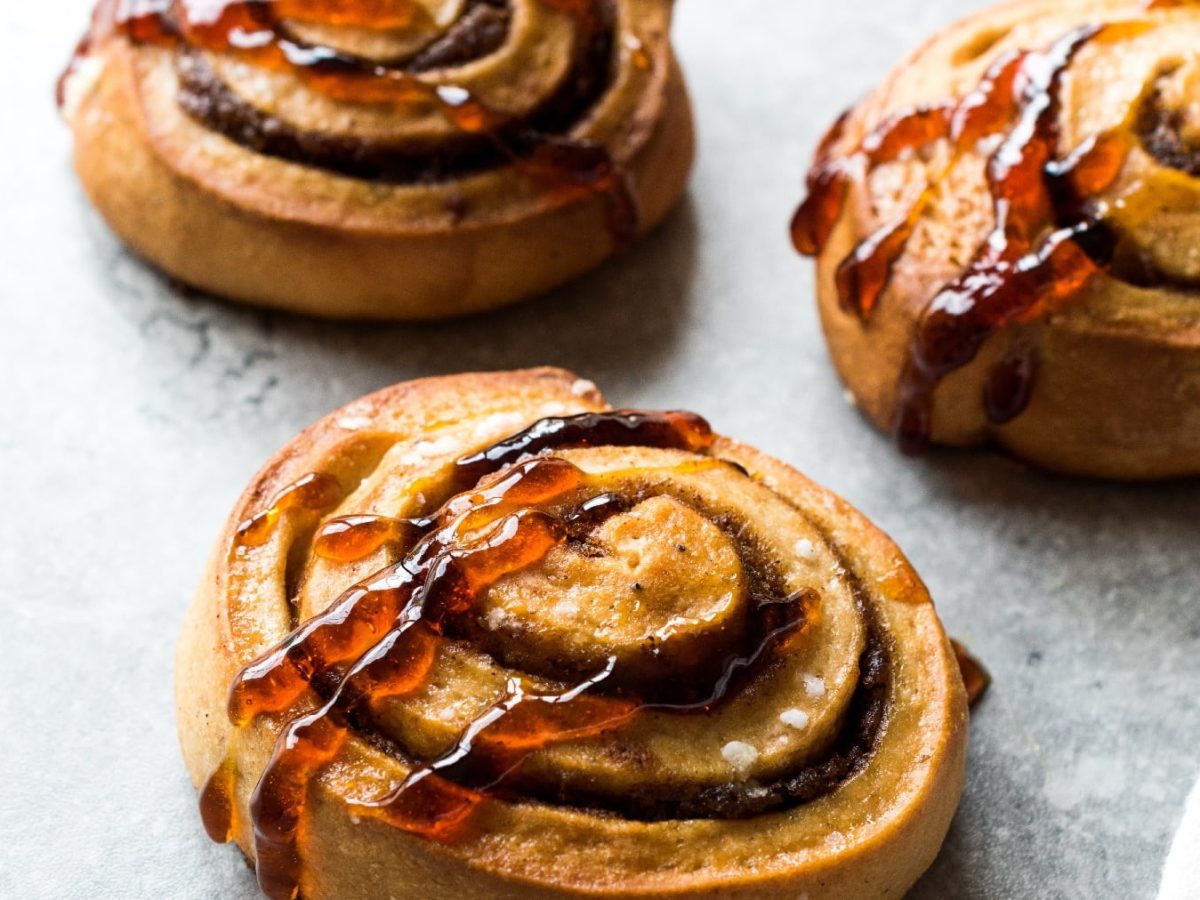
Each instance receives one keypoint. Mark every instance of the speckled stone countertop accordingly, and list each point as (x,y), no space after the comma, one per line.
(134,414)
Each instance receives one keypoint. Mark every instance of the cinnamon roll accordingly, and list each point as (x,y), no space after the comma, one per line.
(1005,234)
(483,636)
(391,159)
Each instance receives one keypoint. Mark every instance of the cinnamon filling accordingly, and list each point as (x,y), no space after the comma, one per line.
(206,98)
(665,801)
(480,32)
(1161,133)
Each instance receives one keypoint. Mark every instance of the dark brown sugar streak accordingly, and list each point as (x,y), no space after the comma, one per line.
(538,147)
(1046,244)
(380,639)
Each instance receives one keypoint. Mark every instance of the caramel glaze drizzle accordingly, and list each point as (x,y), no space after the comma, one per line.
(1046,244)
(314,492)
(255,31)
(381,638)
(976,678)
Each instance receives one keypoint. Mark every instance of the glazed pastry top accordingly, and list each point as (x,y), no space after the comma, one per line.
(604,621)
(1038,160)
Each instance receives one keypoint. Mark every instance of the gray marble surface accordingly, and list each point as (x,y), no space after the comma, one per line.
(134,414)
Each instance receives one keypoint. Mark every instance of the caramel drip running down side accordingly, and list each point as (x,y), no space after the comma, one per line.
(863,276)
(814,221)
(1046,244)
(1035,260)
(564,168)
(218,811)
(975,677)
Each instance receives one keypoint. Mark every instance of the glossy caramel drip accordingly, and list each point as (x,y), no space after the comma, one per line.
(782,622)
(351,538)
(343,633)
(637,54)
(1009,386)
(676,430)
(1046,244)
(863,276)
(829,177)
(564,168)
(901,585)
(975,677)
(218,809)
(1036,258)
(378,15)
(314,492)
(814,221)
(434,801)
(570,169)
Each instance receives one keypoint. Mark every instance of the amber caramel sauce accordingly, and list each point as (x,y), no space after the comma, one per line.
(379,15)
(381,638)
(565,169)
(1046,244)
(218,811)
(314,492)
(975,677)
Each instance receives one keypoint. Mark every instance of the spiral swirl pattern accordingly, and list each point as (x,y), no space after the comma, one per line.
(483,632)
(433,121)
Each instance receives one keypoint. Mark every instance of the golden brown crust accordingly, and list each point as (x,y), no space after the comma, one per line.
(1117,391)
(260,229)
(870,835)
